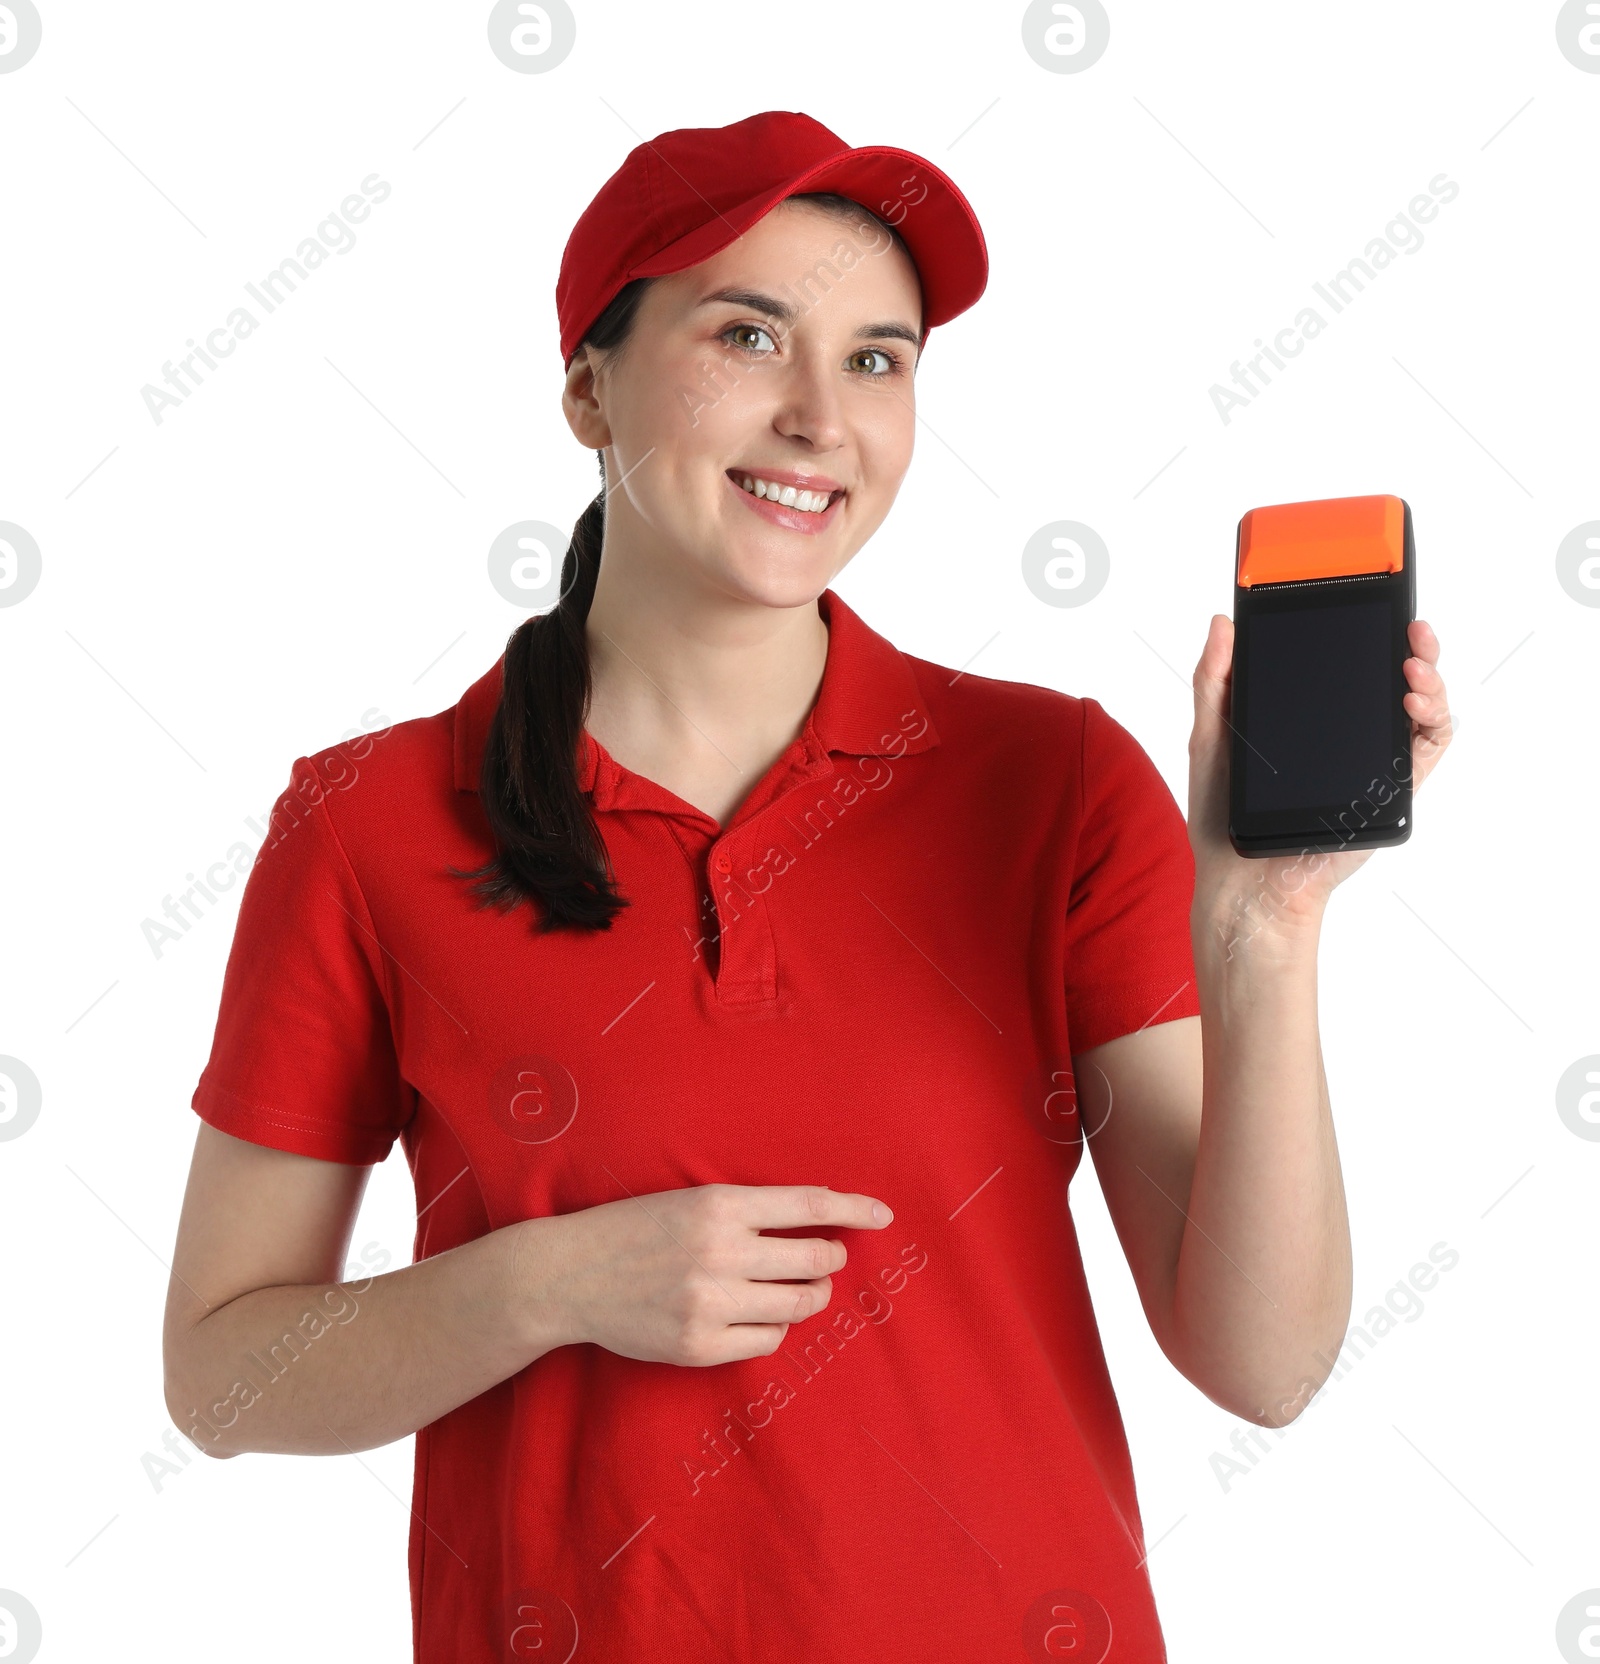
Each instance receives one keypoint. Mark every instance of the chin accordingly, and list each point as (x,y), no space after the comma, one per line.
(776,581)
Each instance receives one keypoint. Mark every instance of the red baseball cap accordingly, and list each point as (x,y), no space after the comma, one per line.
(680,197)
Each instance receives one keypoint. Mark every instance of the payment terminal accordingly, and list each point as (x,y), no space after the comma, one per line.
(1321,741)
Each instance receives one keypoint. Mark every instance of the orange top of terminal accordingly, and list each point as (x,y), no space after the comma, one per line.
(1336,537)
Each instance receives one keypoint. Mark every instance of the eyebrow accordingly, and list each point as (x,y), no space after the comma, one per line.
(786,314)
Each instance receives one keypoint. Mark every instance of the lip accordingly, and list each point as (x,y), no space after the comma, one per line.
(794,519)
(788,476)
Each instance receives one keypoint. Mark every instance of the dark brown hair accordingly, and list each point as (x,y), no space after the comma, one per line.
(549,849)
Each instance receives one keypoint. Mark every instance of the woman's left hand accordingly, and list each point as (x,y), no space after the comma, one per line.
(1288,891)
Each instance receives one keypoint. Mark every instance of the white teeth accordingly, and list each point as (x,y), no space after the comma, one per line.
(787,496)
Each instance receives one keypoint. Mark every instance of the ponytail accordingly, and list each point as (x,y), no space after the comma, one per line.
(550,850)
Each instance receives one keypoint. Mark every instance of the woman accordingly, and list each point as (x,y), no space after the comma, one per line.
(747,1319)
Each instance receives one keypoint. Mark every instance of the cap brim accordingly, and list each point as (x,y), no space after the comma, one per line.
(904,190)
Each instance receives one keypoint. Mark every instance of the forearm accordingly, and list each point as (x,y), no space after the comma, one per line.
(1262,1291)
(326,1369)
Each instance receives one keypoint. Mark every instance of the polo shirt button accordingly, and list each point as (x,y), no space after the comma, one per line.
(722,861)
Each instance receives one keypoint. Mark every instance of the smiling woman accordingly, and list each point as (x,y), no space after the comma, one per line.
(707,933)
(828,378)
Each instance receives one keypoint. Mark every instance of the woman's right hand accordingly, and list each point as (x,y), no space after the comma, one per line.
(685,1276)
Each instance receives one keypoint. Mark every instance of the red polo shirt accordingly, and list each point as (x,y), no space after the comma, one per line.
(873,977)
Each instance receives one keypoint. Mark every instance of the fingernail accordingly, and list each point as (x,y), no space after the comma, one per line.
(881,1214)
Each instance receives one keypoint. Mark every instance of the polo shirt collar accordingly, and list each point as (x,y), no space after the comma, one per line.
(869,705)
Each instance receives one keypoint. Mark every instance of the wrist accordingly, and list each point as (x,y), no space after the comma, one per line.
(539,1315)
(1257,928)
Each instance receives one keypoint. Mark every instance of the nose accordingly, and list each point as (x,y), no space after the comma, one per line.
(809,406)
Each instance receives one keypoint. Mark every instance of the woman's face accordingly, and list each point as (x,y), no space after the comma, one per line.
(787,357)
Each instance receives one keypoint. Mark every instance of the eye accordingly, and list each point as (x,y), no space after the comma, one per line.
(744,329)
(891,363)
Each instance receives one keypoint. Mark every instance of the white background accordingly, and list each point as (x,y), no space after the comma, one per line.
(304,543)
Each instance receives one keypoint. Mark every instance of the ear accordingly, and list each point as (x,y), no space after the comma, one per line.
(580,403)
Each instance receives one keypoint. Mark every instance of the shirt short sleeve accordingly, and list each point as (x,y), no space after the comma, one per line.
(303,1057)
(1129,959)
